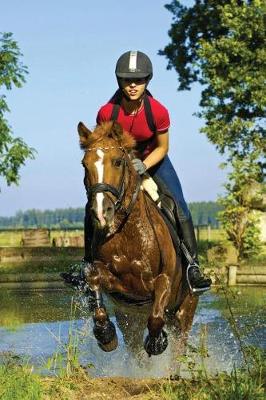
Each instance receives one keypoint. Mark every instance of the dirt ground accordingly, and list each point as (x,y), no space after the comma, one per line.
(116,388)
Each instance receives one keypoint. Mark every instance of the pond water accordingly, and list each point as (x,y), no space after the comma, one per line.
(37,325)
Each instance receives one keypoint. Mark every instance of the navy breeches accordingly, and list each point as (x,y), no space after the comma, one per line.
(166,172)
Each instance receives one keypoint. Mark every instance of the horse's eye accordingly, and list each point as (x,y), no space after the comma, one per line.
(117,162)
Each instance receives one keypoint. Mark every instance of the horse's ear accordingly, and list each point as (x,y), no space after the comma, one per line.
(84,133)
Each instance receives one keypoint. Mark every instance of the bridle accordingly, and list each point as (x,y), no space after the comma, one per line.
(119,192)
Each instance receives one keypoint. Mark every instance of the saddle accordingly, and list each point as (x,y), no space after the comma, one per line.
(156,189)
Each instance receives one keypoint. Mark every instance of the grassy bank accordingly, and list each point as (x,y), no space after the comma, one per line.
(20,383)
(39,260)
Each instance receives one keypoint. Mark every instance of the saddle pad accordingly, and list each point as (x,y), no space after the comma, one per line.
(152,190)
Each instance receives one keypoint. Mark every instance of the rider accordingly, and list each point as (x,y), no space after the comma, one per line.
(148,122)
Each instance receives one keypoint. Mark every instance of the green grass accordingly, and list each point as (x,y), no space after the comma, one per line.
(49,266)
(210,235)
(12,239)
(17,382)
(235,386)
(55,264)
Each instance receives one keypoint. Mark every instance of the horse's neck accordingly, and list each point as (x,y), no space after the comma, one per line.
(133,205)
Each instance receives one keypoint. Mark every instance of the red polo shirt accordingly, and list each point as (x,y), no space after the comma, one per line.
(137,124)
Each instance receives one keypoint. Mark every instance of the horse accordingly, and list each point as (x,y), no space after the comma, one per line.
(134,258)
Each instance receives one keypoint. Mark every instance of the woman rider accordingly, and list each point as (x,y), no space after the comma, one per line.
(149,125)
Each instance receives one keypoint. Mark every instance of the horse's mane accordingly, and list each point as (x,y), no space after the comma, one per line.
(109,130)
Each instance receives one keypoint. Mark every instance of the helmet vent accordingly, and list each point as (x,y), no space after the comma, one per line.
(133,61)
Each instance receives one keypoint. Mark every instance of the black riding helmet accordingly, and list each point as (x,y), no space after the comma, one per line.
(133,64)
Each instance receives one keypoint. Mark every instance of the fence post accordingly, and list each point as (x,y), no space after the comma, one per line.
(232,275)
(209,233)
(198,233)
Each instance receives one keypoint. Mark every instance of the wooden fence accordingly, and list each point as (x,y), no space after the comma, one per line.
(41,237)
(36,238)
(246,275)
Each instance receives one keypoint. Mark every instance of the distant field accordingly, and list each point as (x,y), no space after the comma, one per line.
(14,238)
(213,235)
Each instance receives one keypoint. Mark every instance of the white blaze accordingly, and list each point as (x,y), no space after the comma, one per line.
(99,196)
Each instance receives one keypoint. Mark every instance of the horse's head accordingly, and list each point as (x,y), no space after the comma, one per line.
(107,167)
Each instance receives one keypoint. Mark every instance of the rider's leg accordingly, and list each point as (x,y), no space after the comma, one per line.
(166,172)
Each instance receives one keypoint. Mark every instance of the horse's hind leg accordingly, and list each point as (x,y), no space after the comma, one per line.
(104,330)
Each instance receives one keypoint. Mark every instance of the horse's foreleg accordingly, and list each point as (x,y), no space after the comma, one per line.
(156,341)
(104,329)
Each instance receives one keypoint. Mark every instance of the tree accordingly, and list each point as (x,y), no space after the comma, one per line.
(221,45)
(13,150)
(239,217)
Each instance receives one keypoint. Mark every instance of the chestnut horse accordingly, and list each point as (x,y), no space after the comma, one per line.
(134,256)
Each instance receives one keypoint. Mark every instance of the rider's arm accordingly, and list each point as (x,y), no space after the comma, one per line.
(160,151)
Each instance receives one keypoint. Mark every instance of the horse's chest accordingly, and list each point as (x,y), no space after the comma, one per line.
(132,252)
(135,242)
(131,261)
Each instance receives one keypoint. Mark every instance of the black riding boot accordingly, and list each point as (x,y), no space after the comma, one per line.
(196,281)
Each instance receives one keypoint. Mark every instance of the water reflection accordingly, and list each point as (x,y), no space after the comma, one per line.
(36,324)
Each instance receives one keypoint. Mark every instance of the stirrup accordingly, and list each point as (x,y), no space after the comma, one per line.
(195,290)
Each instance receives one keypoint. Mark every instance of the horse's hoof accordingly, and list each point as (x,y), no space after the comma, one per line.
(105,335)
(109,346)
(155,345)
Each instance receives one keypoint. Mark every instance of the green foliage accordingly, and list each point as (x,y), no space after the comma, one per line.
(221,45)
(190,24)
(234,69)
(17,382)
(13,150)
(238,217)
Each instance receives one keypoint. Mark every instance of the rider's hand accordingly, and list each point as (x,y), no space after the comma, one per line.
(139,166)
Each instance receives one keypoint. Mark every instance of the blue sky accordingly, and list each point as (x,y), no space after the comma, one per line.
(70,48)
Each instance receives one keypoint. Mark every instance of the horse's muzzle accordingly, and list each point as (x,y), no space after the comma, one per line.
(102,211)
